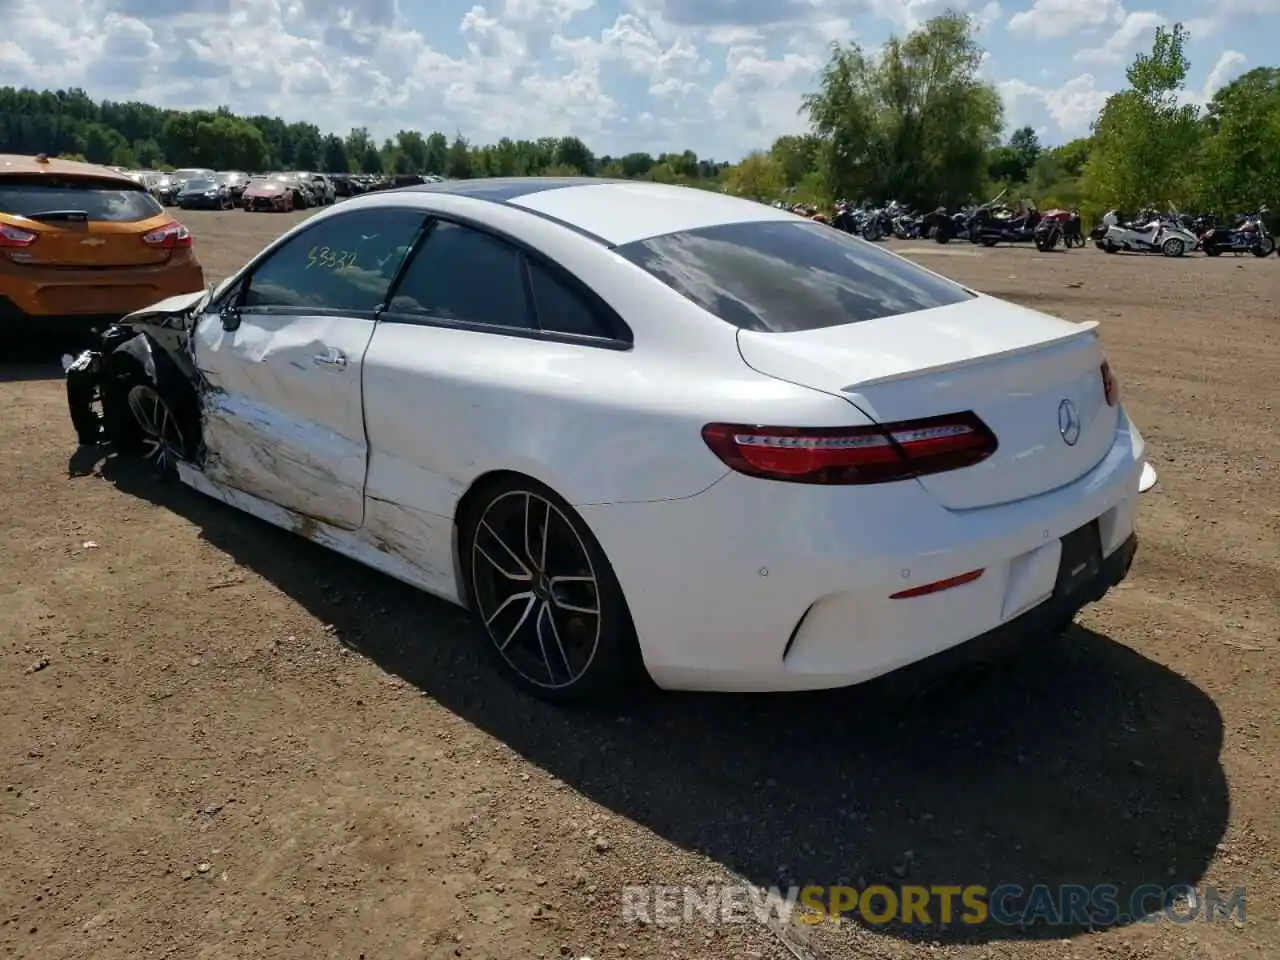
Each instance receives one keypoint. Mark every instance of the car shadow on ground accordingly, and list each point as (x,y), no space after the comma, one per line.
(1077,761)
(25,357)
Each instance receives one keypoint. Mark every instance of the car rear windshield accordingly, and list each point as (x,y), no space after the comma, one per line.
(98,200)
(789,275)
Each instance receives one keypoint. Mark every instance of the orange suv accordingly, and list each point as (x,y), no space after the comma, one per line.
(82,245)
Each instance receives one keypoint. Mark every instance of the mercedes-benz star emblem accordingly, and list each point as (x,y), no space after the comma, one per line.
(1068,422)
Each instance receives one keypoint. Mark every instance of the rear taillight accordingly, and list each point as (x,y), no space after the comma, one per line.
(16,237)
(852,455)
(1110,385)
(169,237)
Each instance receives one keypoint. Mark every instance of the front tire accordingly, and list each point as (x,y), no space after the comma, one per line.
(159,430)
(1263,247)
(556,620)
(1173,247)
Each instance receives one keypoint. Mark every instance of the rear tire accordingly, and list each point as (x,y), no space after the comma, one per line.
(546,596)
(1173,247)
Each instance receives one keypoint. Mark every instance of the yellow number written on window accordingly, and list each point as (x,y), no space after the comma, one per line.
(330,258)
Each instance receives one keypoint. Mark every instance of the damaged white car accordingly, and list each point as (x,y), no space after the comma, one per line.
(643,429)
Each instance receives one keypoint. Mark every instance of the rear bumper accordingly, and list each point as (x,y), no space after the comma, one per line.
(1043,620)
(41,299)
(758,586)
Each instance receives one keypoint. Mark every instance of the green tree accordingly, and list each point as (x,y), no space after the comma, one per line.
(758,177)
(1240,165)
(459,163)
(1144,136)
(1014,161)
(796,156)
(335,155)
(914,123)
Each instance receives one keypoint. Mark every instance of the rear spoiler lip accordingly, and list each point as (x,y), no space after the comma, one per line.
(1083,329)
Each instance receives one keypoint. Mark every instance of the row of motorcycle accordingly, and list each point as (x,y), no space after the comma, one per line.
(1170,234)
(1173,234)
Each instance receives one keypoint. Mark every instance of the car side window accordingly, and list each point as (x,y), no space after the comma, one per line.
(346,262)
(465,276)
(561,309)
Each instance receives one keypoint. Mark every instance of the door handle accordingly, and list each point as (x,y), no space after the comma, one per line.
(333,358)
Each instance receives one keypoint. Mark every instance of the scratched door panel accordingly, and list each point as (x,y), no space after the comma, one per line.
(285,421)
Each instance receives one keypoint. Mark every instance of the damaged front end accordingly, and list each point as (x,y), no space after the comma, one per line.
(137,387)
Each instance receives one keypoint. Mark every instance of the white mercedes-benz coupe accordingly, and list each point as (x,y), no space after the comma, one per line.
(637,427)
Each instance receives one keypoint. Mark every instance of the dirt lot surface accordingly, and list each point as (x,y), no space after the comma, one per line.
(219,741)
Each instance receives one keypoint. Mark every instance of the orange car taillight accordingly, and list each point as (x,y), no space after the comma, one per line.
(852,455)
(12,237)
(169,237)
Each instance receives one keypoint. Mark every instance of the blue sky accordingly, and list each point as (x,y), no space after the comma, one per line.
(721,77)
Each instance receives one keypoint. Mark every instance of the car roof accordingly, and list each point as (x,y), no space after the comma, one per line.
(18,165)
(616,212)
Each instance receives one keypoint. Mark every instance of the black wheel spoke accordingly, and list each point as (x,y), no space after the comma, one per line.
(162,438)
(539,601)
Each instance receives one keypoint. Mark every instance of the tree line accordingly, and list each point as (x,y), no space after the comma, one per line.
(142,136)
(914,121)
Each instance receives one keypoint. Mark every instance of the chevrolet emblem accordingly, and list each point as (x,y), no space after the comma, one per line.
(92,242)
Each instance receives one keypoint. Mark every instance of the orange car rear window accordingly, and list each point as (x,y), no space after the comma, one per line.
(52,197)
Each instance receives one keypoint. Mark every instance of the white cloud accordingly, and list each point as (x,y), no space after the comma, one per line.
(1135,27)
(1072,106)
(1050,19)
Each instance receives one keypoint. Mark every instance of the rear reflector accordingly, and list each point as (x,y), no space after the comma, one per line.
(1110,385)
(169,237)
(852,455)
(937,586)
(14,237)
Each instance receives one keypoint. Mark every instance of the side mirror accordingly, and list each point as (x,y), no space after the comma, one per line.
(230,318)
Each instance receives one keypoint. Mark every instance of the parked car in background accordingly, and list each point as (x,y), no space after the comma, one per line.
(194,173)
(235,181)
(302,195)
(321,187)
(267,194)
(205,195)
(165,189)
(85,245)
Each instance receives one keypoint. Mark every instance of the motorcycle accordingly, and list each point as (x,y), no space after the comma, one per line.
(1249,235)
(990,224)
(937,226)
(1058,226)
(1150,233)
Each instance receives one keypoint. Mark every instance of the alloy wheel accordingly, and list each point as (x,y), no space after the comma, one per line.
(162,437)
(536,589)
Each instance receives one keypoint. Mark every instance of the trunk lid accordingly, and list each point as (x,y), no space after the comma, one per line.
(1021,371)
(89,245)
(82,222)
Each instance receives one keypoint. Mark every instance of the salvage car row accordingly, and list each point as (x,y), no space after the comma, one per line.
(199,188)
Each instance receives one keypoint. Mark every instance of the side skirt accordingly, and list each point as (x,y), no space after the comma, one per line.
(349,543)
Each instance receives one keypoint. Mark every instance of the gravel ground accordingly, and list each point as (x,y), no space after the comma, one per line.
(220,741)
